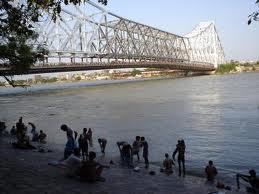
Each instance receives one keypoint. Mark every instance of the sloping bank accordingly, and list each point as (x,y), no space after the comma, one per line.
(237,68)
(28,172)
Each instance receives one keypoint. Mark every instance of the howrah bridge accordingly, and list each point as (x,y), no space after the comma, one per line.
(87,37)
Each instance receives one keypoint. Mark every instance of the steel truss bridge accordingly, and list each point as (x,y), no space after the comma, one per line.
(87,37)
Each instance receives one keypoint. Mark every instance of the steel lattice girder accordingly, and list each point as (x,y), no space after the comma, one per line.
(203,44)
(89,31)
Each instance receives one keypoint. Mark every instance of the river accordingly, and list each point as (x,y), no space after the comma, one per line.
(217,116)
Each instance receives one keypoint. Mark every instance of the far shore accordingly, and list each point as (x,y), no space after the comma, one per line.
(110,75)
(121,75)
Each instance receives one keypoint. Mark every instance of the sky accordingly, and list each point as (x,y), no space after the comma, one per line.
(240,41)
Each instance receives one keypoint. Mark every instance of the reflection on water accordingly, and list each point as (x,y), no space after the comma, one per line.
(218,116)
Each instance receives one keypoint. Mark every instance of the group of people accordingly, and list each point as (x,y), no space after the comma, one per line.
(23,139)
(169,163)
(81,144)
(86,168)
(127,151)
(90,170)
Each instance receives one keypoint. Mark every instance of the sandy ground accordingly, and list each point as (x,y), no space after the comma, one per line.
(25,171)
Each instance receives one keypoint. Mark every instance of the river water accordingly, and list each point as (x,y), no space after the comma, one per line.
(218,116)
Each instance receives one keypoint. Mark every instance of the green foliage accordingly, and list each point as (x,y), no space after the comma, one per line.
(48,80)
(15,33)
(226,68)
(135,72)
(78,78)
(248,64)
(19,82)
(53,79)
(19,55)
(2,83)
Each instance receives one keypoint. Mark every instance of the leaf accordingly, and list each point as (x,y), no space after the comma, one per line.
(249,21)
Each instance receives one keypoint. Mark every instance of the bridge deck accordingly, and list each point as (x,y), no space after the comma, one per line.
(50,68)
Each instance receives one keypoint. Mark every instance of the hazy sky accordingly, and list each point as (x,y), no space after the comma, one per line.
(240,41)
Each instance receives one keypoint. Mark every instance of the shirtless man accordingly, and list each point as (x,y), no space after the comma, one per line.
(91,170)
(145,151)
(167,164)
(42,137)
(125,152)
(211,171)
(180,149)
(136,147)
(68,130)
(253,180)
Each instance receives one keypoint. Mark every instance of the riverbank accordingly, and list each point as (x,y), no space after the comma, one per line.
(235,67)
(70,77)
(28,172)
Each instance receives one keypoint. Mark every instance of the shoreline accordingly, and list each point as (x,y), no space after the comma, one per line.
(26,171)
(100,75)
(124,80)
(9,90)
(67,85)
(121,74)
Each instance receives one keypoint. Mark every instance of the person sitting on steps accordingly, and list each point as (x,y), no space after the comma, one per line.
(42,137)
(253,180)
(167,165)
(91,170)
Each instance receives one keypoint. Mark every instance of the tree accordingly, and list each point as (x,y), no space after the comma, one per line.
(254,16)
(17,31)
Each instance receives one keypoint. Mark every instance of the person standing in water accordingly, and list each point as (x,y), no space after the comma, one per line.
(102,142)
(84,144)
(90,137)
(180,148)
(136,147)
(125,152)
(211,171)
(145,151)
(70,145)
(35,135)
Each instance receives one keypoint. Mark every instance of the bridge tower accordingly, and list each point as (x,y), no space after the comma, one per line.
(203,44)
